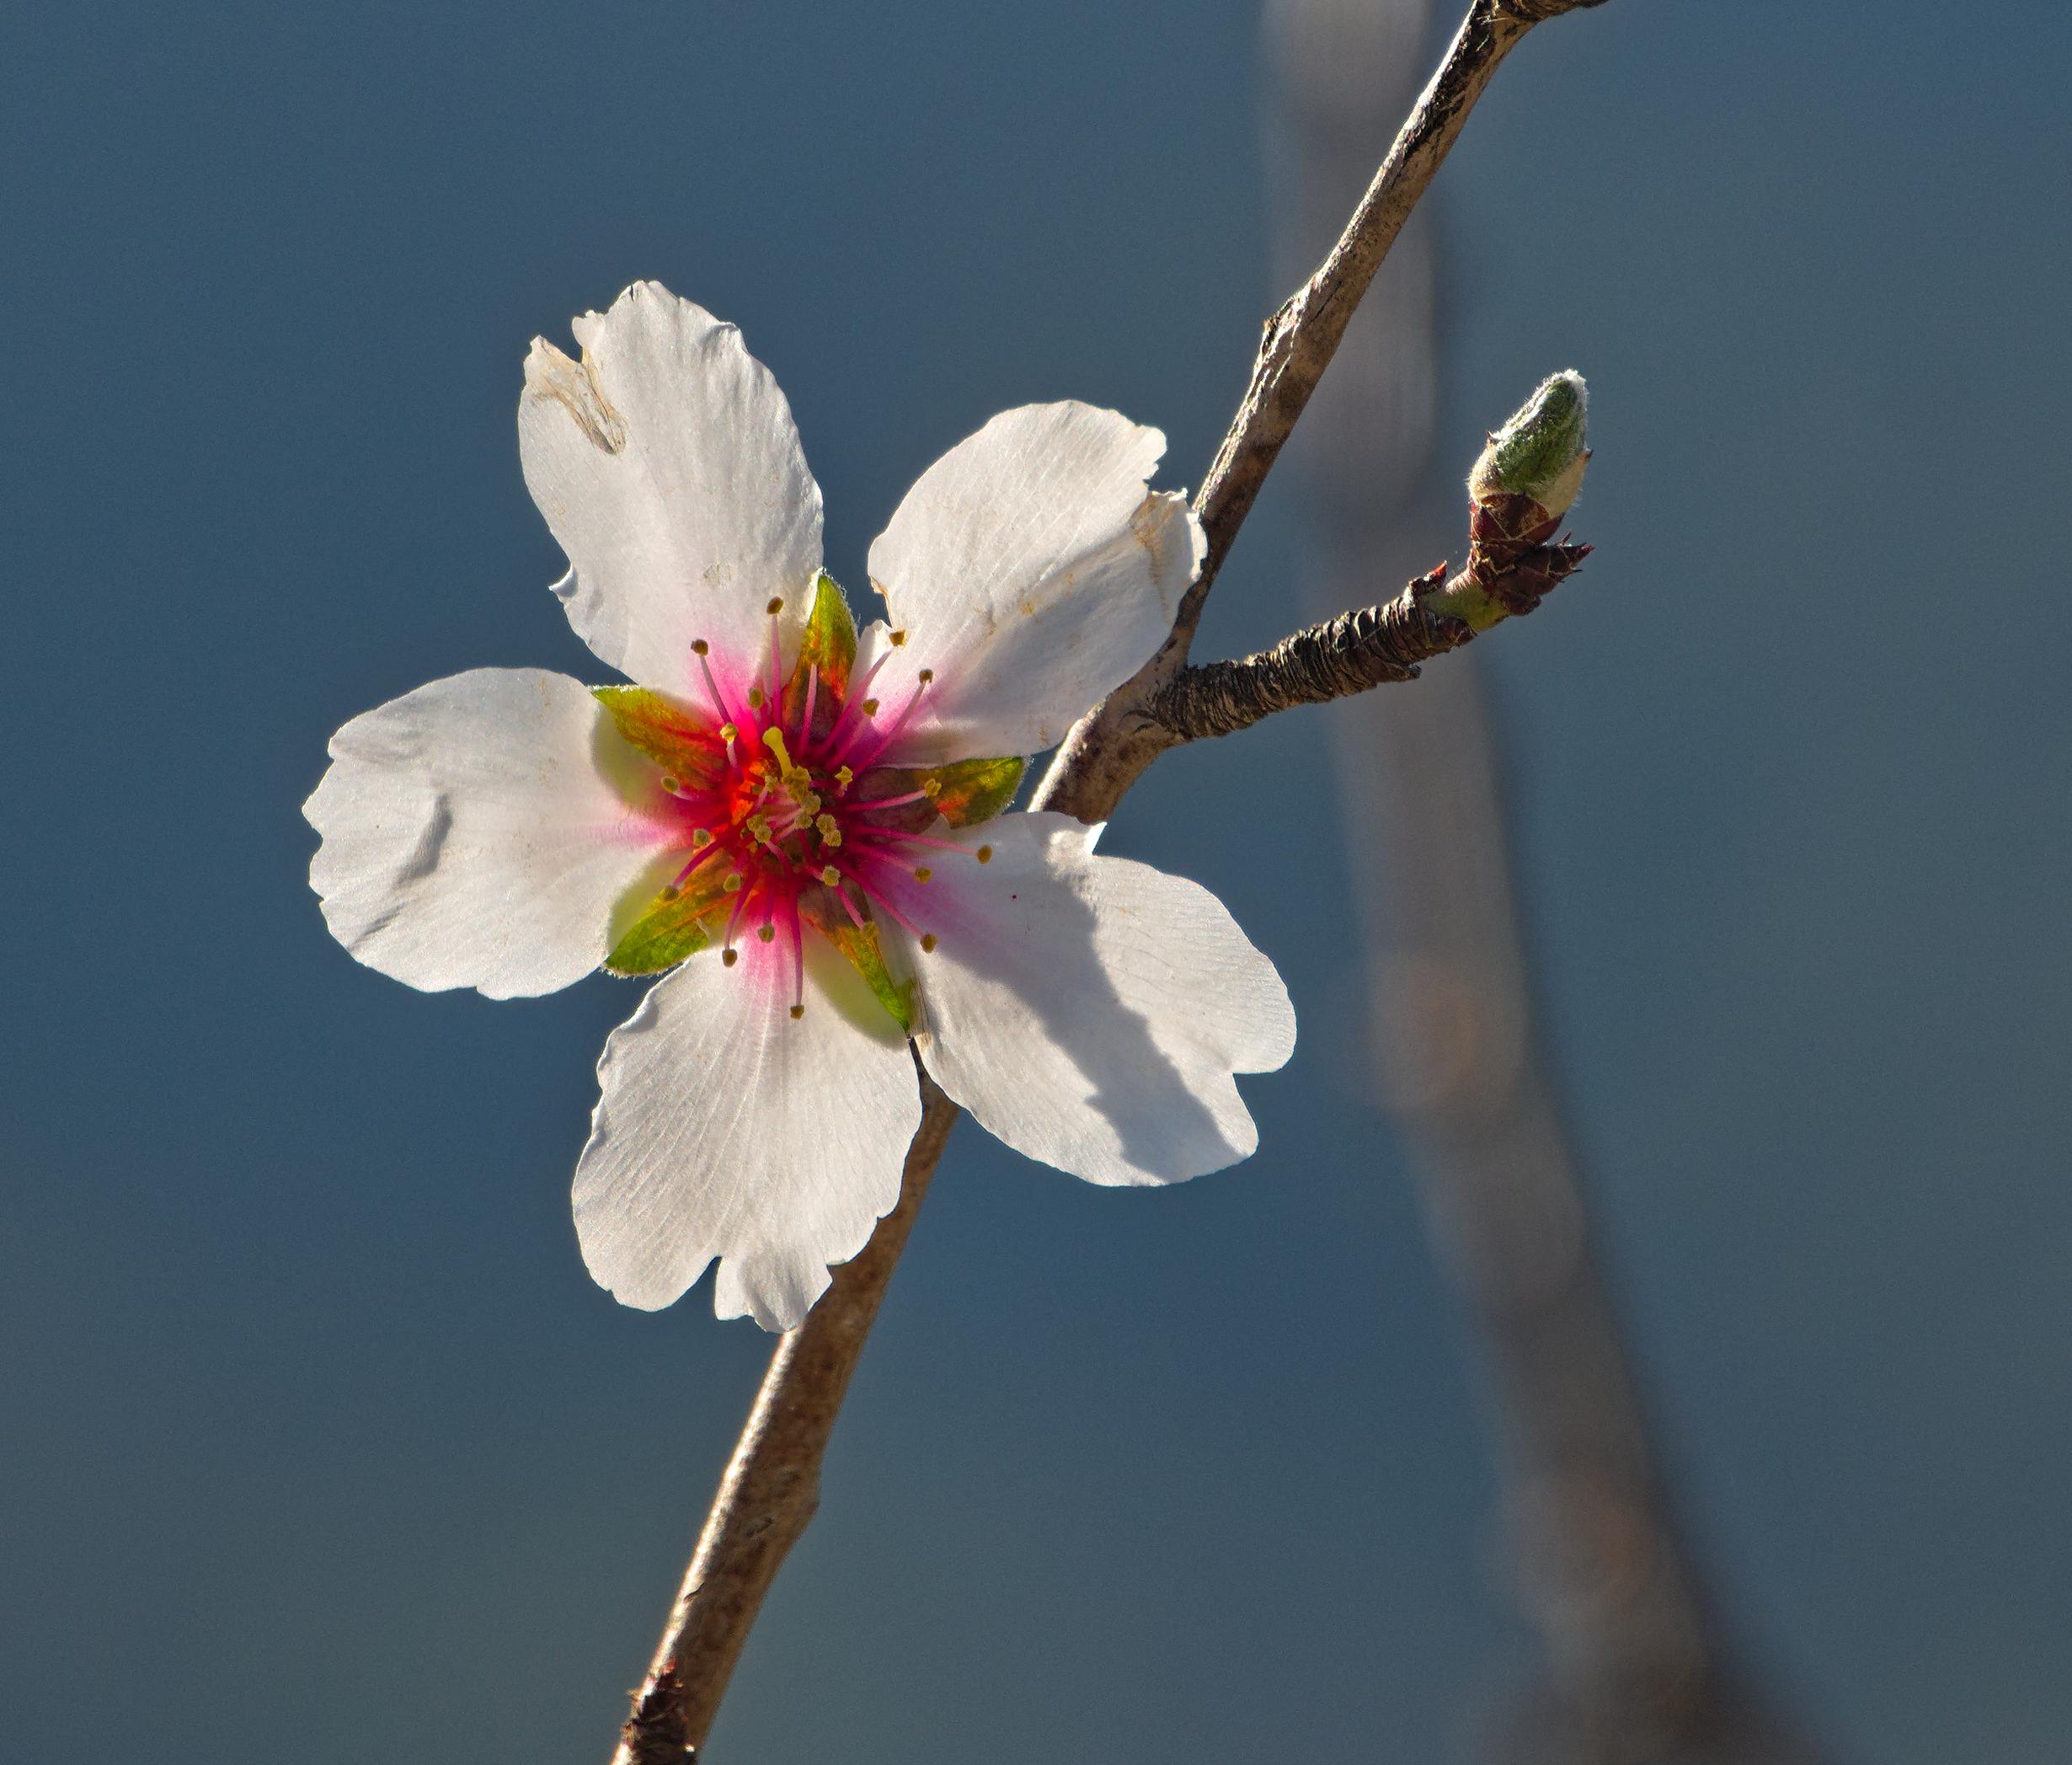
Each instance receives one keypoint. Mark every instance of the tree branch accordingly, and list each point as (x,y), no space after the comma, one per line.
(770,1489)
(1358,651)
(772,1486)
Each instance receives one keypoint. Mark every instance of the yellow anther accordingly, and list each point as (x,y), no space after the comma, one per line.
(754,698)
(926,675)
(870,708)
(830,875)
(776,606)
(923,874)
(931,788)
(798,1011)
(844,777)
(759,830)
(730,957)
(731,885)
(927,942)
(833,837)
(670,784)
(728,733)
(984,854)
(702,837)
(700,647)
(825,824)
(670,892)
(766,932)
(809,804)
(898,638)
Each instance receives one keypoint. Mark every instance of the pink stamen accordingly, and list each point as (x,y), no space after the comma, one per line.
(776,680)
(852,708)
(899,723)
(710,851)
(878,898)
(734,919)
(903,839)
(711,687)
(912,796)
(849,905)
(798,935)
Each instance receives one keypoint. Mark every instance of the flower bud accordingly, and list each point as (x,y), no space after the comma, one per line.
(1538,454)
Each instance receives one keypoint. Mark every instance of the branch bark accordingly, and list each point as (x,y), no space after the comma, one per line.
(770,1489)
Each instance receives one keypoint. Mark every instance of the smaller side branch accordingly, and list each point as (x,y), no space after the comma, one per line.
(1342,656)
(1358,651)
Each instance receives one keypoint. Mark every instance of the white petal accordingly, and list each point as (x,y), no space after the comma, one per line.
(667,464)
(1090,1011)
(729,1129)
(481,831)
(1034,573)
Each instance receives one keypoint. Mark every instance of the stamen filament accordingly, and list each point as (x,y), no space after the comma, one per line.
(878,898)
(907,839)
(798,934)
(921,686)
(838,736)
(704,854)
(702,652)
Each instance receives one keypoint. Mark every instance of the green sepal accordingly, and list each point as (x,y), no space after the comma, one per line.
(866,955)
(677,924)
(974,790)
(966,791)
(675,739)
(828,645)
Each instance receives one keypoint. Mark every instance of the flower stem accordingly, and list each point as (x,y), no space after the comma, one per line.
(771,1484)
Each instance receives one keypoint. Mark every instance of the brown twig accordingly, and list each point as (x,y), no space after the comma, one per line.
(1354,652)
(769,1488)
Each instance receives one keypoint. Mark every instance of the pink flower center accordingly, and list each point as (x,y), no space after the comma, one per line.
(794,807)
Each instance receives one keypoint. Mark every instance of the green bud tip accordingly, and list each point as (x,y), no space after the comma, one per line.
(1539,453)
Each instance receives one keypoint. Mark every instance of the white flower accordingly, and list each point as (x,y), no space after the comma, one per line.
(804,825)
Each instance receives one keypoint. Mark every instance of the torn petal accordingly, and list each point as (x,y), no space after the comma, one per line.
(667,464)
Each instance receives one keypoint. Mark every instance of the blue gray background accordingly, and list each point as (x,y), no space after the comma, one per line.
(318,1443)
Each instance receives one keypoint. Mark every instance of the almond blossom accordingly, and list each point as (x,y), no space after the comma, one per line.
(804,829)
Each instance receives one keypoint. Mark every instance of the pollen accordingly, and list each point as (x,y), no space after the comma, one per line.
(926,675)
(844,777)
(923,874)
(731,885)
(766,932)
(927,942)
(728,732)
(870,708)
(828,828)
(700,647)
(798,1011)
(776,606)
(754,698)
(898,638)
(984,855)
(931,788)
(730,957)
(702,837)
(830,875)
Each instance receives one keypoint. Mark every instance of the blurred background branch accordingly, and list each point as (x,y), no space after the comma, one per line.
(1637,1667)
